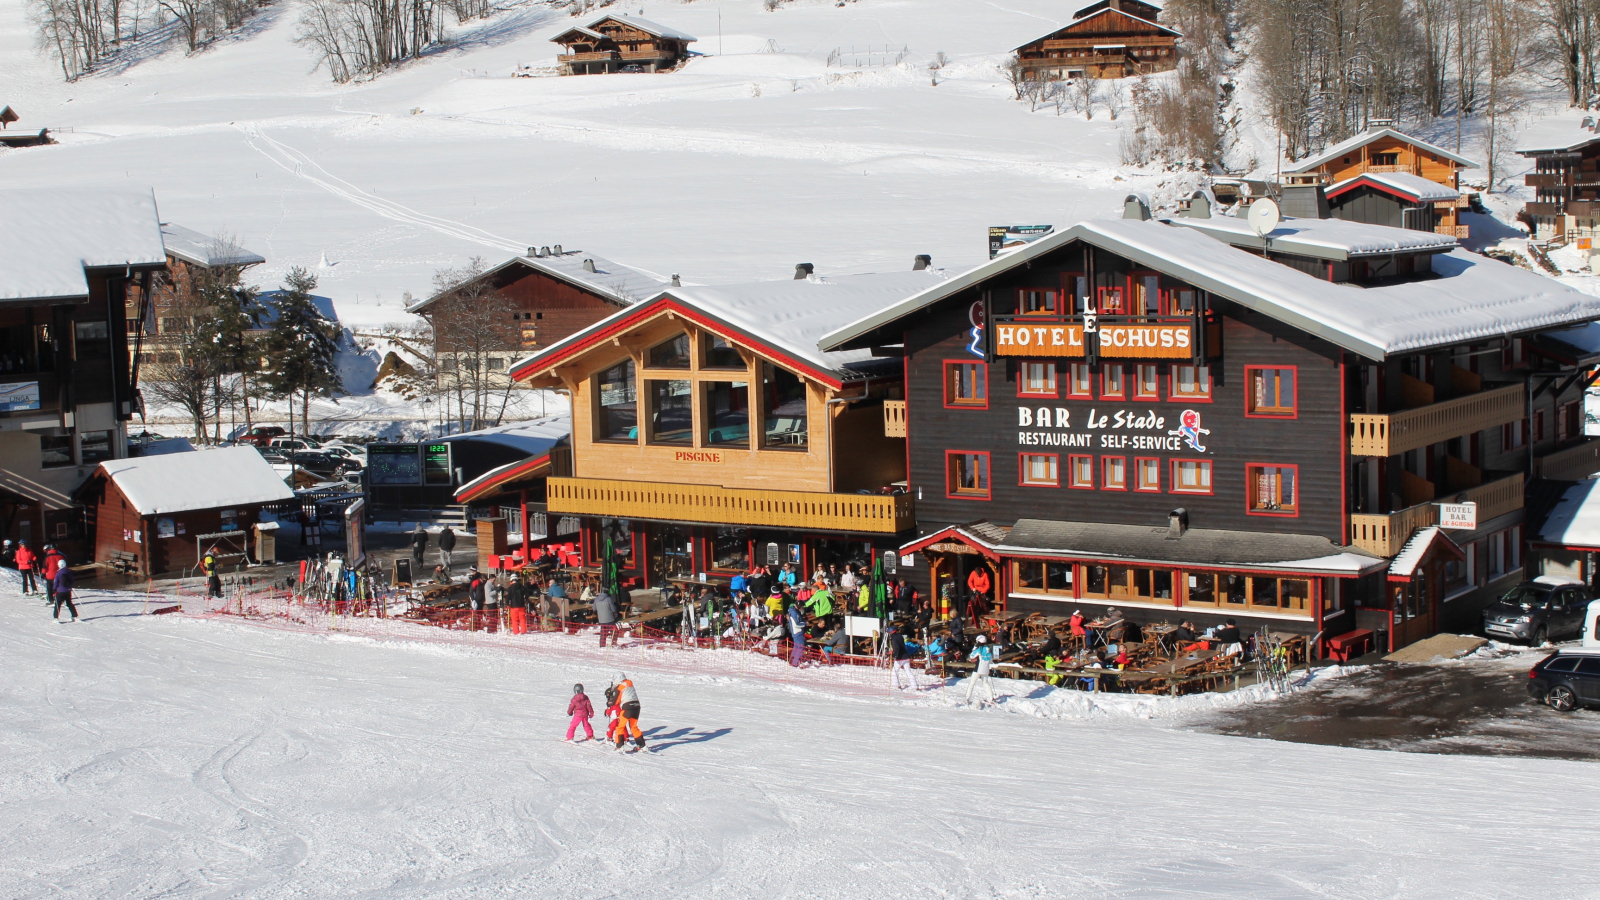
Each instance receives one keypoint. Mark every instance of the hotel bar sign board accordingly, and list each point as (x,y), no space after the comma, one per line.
(1165,341)
(1458,515)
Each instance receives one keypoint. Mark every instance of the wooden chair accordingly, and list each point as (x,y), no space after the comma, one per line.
(1035,628)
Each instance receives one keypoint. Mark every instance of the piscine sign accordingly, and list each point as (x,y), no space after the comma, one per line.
(697,456)
(1116,429)
(1131,341)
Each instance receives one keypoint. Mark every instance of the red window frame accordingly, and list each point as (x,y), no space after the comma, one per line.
(1120,291)
(1135,281)
(982,369)
(1072,382)
(1056,304)
(1022,378)
(1537,432)
(1022,470)
(1249,387)
(1175,485)
(1172,385)
(1106,392)
(988,476)
(1513,435)
(1069,291)
(1105,473)
(1250,487)
(1138,382)
(1072,472)
(1138,470)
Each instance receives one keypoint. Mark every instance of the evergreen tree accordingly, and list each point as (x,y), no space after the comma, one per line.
(302,349)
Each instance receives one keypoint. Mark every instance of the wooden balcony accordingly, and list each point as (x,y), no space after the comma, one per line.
(1542,209)
(866,513)
(1536,180)
(646,54)
(894,418)
(1583,209)
(1391,169)
(596,56)
(1459,232)
(1390,433)
(1572,464)
(1385,534)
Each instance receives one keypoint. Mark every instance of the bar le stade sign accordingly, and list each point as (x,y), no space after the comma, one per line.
(1017,339)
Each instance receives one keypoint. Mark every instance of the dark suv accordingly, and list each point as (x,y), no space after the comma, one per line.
(1567,681)
(1537,611)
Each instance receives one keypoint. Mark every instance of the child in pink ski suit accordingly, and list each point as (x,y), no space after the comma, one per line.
(581,711)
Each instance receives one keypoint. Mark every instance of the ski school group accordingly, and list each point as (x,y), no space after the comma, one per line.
(622,709)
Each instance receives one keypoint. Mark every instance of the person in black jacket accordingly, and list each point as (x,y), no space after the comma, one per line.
(514,600)
(447,543)
(902,658)
(419,546)
(1228,633)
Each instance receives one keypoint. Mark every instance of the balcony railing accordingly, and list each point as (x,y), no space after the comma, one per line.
(894,418)
(596,56)
(647,54)
(1571,464)
(1584,208)
(1386,534)
(870,513)
(1390,433)
(1460,232)
(1536,180)
(1542,209)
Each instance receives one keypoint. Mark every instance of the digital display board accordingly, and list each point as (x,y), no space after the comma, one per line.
(394,464)
(436,464)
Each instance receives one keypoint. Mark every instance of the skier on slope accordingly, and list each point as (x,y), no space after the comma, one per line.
(983,655)
(580,710)
(628,699)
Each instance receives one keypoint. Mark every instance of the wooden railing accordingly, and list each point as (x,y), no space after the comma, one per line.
(1389,433)
(1369,167)
(646,54)
(1460,232)
(873,513)
(596,56)
(1542,209)
(1571,464)
(1385,534)
(1583,208)
(894,418)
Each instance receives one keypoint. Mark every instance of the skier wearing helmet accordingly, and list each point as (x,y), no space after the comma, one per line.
(628,699)
(983,655)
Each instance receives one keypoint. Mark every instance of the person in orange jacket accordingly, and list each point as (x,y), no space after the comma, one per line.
(53,561)
(628,722)
(25,560)
(978,584)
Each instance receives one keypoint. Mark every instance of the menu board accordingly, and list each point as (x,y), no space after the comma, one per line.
(393,464)
(436,464)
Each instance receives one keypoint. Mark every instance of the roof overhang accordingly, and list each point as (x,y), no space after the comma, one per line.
(1423,546)
(1361,140)
(531,263)
(1383,186)
(498,479)
(954,534)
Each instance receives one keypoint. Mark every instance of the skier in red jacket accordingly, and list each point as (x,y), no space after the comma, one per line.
(581,711)
(25,561)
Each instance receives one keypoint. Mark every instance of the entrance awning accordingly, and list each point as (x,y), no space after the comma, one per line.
(1210,548)
(981,537)
(498,479)
(1424,545)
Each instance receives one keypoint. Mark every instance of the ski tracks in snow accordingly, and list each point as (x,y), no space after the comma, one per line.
(304,167)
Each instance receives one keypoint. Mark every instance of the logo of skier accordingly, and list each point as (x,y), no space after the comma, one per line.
(1190,430)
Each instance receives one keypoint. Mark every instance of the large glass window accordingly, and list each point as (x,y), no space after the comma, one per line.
(617,416)
(55,451)
(671,354)
(1047,577)
(730,549)
(727,405)
(784,408)
(720,354)
(93,340)
(95,447)
(671,412)
(1270,392)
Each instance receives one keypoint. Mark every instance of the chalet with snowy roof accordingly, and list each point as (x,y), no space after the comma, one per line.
(1565,179)
(1378,177)
(621,44)
(7,116)
(1182,419)
(1108,39)
(709,433)
(68,259)
(544,297)
(156,514)
(154,322)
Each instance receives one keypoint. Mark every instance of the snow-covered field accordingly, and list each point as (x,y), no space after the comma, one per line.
(150,756)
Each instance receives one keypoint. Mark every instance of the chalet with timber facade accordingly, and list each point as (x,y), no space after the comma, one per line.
(1385,177)
(1566,181)
(155,320)
(1328,432)
(709,434)
(1108,39)
(621,43)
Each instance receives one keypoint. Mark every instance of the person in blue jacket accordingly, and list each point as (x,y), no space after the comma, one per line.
(983,655)
(797,635)
(787,576)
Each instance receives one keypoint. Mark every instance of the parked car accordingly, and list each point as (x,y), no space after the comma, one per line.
(1547,608)
(260,435)
(356,456)
(1567,680)
(320,464)
(273,456)
(294,443)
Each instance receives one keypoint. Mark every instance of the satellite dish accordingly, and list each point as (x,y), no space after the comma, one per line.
(1264,217)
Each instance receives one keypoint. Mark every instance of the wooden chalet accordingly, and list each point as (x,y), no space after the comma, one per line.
(621,43)
(68,259)
(1377,177)
(1176,419)
(1565,179)
(1108,39)
(550,295)
(154,321)
(709,434)
(158,514)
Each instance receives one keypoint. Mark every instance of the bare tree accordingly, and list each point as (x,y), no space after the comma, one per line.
(476,331)
(1085,91)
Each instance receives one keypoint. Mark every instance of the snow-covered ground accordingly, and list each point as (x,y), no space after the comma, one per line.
(145,756)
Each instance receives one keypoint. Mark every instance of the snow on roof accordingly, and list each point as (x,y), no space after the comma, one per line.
(648,27)
(1415,187)
(204,250)
(269,307)
(48,238)
(1579,346)
(1557,133)
(1083,11)
(159,446)
(1107,11)
(1322,238)
(1410,556)
(614,281)
(1575,519)
(1367,137)
(579,29)
(1470,297)
(208,479)
(534,437)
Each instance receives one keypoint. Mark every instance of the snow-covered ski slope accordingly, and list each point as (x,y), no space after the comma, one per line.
(737,167)
(150,756)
